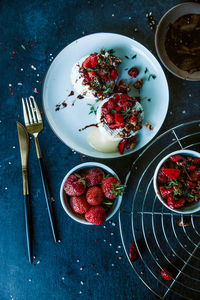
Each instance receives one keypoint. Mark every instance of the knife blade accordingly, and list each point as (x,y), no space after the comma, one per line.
(24,151)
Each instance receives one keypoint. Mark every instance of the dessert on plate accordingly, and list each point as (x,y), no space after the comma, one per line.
(95,76)
(119,119)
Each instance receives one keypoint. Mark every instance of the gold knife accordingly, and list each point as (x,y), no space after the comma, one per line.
(24,151)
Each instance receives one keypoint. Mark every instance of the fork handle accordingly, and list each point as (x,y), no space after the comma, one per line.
(48,199)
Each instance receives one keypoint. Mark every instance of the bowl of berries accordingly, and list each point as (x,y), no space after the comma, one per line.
(91,193)
(177,181)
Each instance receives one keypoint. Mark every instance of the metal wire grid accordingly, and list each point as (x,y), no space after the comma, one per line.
(161,243)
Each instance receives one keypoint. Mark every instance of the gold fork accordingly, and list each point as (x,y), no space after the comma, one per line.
(34,126)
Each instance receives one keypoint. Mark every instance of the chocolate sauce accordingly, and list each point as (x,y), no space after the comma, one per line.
(87,126)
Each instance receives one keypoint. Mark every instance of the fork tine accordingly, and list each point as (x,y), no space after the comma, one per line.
(26,120)
(32,110)
(29,112)
(38,114)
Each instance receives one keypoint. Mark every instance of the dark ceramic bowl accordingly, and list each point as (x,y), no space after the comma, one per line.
(170,17)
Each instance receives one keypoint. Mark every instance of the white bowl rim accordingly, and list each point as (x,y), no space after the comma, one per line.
(182,151)
(82,166)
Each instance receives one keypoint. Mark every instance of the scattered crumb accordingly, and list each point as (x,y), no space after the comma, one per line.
(148,126)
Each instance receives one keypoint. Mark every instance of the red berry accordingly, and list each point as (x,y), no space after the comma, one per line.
(121,146)
(109,118)
(176,158)
(96,215)
(171,173)
(165,192)
(124,97)
(111,104)
(133,72)
(79,204)
(190,184)
(166,275)
(114,74)
(162,178)
(196,160)
(116,97)
(105,109)
(119,118)
(74,185)
(133,254)
(91,74)
(117,125)
(93,60)
(93,176)
(86,64)
(126,105)
(118,108)
(111,187)
(171,202)
(191,168)
(195,176)
(122,87)
(180,202)
(94,195)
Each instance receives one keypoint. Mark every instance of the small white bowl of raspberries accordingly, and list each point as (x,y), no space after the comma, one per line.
(91,193)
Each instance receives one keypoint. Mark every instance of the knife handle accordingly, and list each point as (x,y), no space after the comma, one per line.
(27,212)
(48,199)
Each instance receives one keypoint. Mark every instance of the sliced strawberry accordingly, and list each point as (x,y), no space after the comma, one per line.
(133,120)
(114,74)
(195,176)
(190,184)
(171,173)
(109,118)
(119,118)
(117,125)
(118,108)
(123,97)
(93,60)
(180,202)
(111,104)
(105,110)
(121,146)
(116,97)
(176,158)
(171,201)
(166,275)
(87,63)
(196,160)
(133,72)
(126,104)
(191,168)
(162,178)
(165,192)
(91,74)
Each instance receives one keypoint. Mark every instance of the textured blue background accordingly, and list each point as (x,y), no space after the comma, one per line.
(85,254)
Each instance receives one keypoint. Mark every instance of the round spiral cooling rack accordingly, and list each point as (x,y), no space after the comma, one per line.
(163,239)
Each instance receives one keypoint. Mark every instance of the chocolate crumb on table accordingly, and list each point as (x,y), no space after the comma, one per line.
(148,126)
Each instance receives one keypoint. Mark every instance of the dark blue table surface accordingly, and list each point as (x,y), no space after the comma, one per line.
(89,262)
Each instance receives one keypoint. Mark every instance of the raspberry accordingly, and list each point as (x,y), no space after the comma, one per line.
(111,104)
(94,195)
(91,74)
(74,185)
(119,118)
(96,215)
(133,72)
(105,109)
(93,176)
(133,254)
(79,204)
(162,178)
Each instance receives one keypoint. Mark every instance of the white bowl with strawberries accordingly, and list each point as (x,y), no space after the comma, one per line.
(177,181)
(91,193)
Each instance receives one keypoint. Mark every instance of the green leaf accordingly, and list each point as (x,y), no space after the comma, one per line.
(90,70)
(107,91)
(190,195)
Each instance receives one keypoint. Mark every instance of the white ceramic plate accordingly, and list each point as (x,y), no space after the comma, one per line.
(57,86)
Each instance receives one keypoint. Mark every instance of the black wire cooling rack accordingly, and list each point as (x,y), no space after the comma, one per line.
(163,239)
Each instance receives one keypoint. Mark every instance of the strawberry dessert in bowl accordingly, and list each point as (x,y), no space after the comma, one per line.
(121,117)
(91,193)
(177,181)
(95,76)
